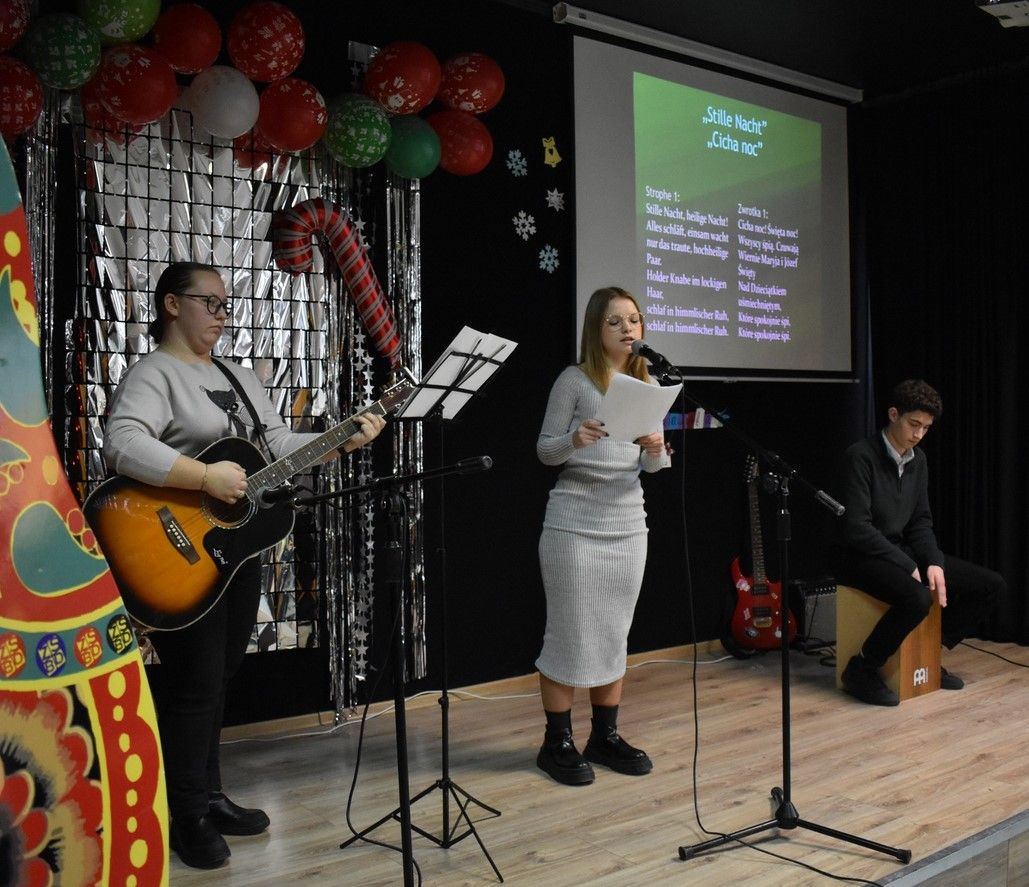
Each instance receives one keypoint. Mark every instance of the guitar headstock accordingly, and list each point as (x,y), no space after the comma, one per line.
(396,395)
(752,469)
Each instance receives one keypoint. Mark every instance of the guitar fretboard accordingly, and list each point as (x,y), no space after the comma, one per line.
(757,548)
(302,458)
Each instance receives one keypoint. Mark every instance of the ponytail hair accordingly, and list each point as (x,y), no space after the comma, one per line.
(176,278)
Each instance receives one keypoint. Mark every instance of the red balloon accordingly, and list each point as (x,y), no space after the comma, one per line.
(471,82)
(404,77)
(251,151)
(21,97)
(292,115)
(465,144)
(188,37)
(14,19)
(99,123)
(266,41)
(136,84)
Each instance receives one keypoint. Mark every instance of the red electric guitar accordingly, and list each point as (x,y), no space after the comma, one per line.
(757,619)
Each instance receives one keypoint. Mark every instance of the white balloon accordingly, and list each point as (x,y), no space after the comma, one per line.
(224,102)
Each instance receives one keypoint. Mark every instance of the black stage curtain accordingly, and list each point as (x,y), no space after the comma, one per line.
(948,196)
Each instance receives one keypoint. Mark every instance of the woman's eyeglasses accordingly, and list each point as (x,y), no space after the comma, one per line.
(213,303)
(614,320)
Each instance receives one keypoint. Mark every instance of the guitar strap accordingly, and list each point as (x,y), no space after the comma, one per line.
(258,424)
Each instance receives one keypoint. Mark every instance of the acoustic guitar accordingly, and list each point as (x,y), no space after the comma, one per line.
(173,552)
(757,619)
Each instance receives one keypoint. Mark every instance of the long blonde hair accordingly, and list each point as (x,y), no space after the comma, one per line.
(592,359)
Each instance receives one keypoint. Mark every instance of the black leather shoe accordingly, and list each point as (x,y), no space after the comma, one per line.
(614,752)
(560,759)
(197,842)
(231,819)
(950,681)
(861,680)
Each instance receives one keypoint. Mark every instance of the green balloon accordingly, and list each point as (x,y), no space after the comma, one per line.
(414,151)
(358,132)
(63,50)
(120,21)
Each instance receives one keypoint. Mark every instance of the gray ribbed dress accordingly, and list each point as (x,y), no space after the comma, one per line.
(594,544)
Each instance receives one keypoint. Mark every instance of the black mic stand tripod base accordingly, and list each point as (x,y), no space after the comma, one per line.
(786,816)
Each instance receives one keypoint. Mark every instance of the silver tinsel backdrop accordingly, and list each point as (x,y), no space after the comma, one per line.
(171,193)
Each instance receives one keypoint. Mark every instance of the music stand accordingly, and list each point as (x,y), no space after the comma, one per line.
(393,571)
(458,375)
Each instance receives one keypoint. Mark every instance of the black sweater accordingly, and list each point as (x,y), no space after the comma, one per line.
(887,516)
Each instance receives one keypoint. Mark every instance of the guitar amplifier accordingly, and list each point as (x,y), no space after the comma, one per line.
(813,602)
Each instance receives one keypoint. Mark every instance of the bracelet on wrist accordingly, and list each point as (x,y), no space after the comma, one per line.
(203,480)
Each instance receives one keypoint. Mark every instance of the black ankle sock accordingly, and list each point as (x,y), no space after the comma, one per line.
(557,722)
(605,719)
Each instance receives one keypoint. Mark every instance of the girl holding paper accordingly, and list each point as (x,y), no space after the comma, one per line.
(593,548)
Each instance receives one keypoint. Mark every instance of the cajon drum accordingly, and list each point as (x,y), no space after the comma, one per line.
(914,669)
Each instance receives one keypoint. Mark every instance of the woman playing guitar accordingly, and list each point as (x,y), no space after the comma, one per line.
(171,405)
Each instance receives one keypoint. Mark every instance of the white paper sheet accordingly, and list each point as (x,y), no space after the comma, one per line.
(632,408)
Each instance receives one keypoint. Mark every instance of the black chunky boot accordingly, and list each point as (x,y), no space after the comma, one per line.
(560,759)
(198,842)
(861,679)
(231,819)
(610,750)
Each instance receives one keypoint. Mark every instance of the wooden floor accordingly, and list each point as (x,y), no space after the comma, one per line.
(925,776)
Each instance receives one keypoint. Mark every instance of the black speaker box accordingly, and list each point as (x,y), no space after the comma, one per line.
(813,602)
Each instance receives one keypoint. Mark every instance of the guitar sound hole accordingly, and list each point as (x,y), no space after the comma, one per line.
(224,514)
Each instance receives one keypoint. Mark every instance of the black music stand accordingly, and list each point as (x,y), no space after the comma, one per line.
(457,377)
(396,510)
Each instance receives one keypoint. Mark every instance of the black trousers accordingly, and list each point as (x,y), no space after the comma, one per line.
(973,592)
(196,665)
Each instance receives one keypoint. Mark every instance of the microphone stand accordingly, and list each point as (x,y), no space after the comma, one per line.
(782,475)
(393,571)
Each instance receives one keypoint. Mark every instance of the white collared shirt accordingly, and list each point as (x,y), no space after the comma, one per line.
(900,460)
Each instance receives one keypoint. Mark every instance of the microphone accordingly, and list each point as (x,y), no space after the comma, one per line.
(826,500)
(642,349)
(474,464)
(279,494)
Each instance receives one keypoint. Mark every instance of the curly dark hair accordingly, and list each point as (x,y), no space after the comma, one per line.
(916,394)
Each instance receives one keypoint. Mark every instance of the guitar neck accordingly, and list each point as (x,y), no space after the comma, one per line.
(302,458)
(757,547)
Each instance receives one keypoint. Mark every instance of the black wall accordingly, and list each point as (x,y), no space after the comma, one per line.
(948,271)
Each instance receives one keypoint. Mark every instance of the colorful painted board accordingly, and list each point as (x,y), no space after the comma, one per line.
(82,795)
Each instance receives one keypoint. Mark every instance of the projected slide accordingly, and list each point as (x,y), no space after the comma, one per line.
(726,203)
(723,209)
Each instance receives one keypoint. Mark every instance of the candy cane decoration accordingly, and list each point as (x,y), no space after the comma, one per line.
(293,252)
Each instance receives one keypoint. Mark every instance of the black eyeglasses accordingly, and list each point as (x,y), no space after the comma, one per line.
(213,303)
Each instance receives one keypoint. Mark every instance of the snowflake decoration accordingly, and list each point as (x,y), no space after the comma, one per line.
(556,200)
(517,163)
(548,259)
(524,224)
